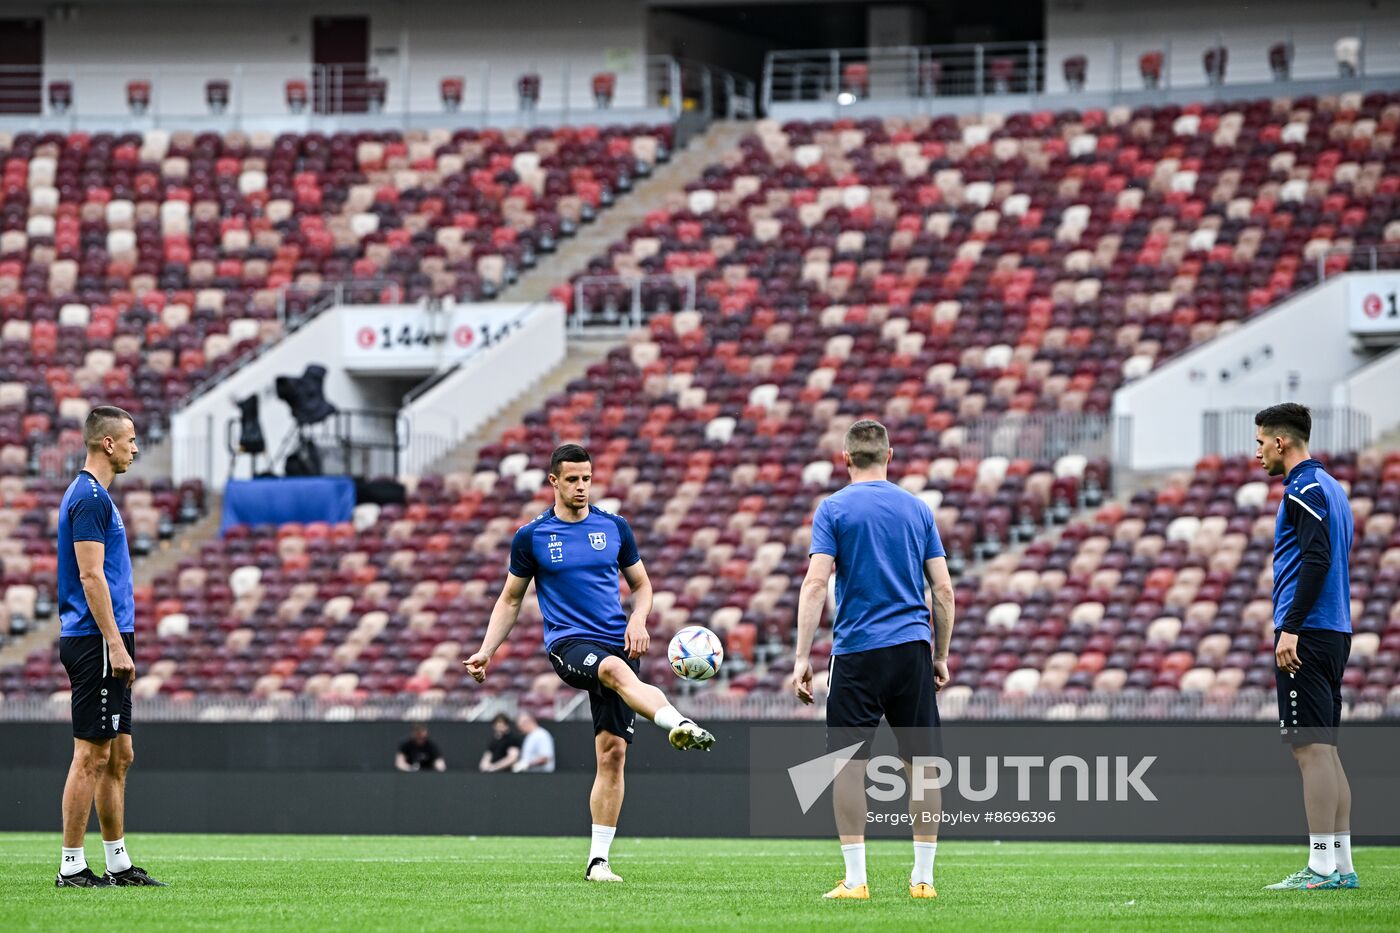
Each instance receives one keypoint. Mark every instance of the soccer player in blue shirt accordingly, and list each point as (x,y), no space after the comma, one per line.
(574,553)
(96,645)
(882,543)
(1312,636)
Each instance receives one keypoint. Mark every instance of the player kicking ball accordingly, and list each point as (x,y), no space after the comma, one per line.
(574,553)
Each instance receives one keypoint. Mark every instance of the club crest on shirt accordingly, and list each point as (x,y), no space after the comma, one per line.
(599,539)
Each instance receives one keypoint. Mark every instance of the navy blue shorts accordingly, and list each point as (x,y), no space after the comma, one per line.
(895,683)
(101,702)
(1310,700)
(576,662)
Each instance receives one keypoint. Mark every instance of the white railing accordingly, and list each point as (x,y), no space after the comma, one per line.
(1137,65)
(1360,258)
(293,313)
(464,93)
(627,301)
(446,410)
(851,75)
(1336,429)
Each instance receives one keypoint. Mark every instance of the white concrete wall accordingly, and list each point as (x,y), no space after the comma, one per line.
(484,385)
(1375,391)
(1296,352)
(1089,27)
(197,432)
(413,43)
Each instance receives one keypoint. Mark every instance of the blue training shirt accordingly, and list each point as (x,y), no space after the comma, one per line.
(1314,526)
(575,567)
(880,536)
(88,513)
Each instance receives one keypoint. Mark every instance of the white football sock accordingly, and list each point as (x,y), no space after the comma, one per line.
(74,861)
(1342,848)
(117,859)
(1321,858)
(855,864)
(602,841)
(923,862)
(668,717)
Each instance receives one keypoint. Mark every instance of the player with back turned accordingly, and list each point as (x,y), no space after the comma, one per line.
(883,545)
(1312,636)
(96,644)
(574,553)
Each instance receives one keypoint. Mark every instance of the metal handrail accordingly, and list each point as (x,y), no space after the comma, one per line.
(1336,429)
(792,75)
(636,313)
(290,324)
(1374,250)
(178,91)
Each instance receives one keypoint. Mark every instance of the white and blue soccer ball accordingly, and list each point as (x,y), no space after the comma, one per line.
(695,653)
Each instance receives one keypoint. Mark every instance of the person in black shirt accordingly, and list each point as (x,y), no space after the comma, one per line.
(419,753)
(504,749)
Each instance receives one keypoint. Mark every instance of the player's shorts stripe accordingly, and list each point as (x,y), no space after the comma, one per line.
(1307,487)
(104,659)
(1305,506)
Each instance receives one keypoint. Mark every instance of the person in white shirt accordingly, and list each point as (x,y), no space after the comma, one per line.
(537,750)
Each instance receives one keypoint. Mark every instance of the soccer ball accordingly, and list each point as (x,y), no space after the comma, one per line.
(695,653)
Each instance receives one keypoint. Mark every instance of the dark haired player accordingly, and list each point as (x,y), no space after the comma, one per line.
(98,614)
(1312,637)
(574,553)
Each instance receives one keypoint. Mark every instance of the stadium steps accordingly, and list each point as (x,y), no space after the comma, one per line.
(157,460)
(186,543)
(1050,533)
(581,355)
(647,195)
(1390,440)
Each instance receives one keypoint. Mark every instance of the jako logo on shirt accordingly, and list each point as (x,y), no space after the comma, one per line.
(598,539)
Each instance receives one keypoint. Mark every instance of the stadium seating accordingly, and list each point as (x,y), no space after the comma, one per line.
(1089,246)
(1165,595)
(29,522)
(929,272)
(135,267)
(1170,593)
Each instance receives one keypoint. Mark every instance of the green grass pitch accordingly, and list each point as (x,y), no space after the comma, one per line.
(338,883)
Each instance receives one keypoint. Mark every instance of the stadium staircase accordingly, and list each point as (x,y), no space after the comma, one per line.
(574,254)
(573,257)
(570,259)
(186,542)
(582,354)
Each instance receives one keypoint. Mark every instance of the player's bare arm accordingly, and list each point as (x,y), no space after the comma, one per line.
(636,640)
(809,615)
(503,619)
(90,555)
(940,581)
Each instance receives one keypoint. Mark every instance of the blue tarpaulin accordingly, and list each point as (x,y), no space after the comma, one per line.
(274,501)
